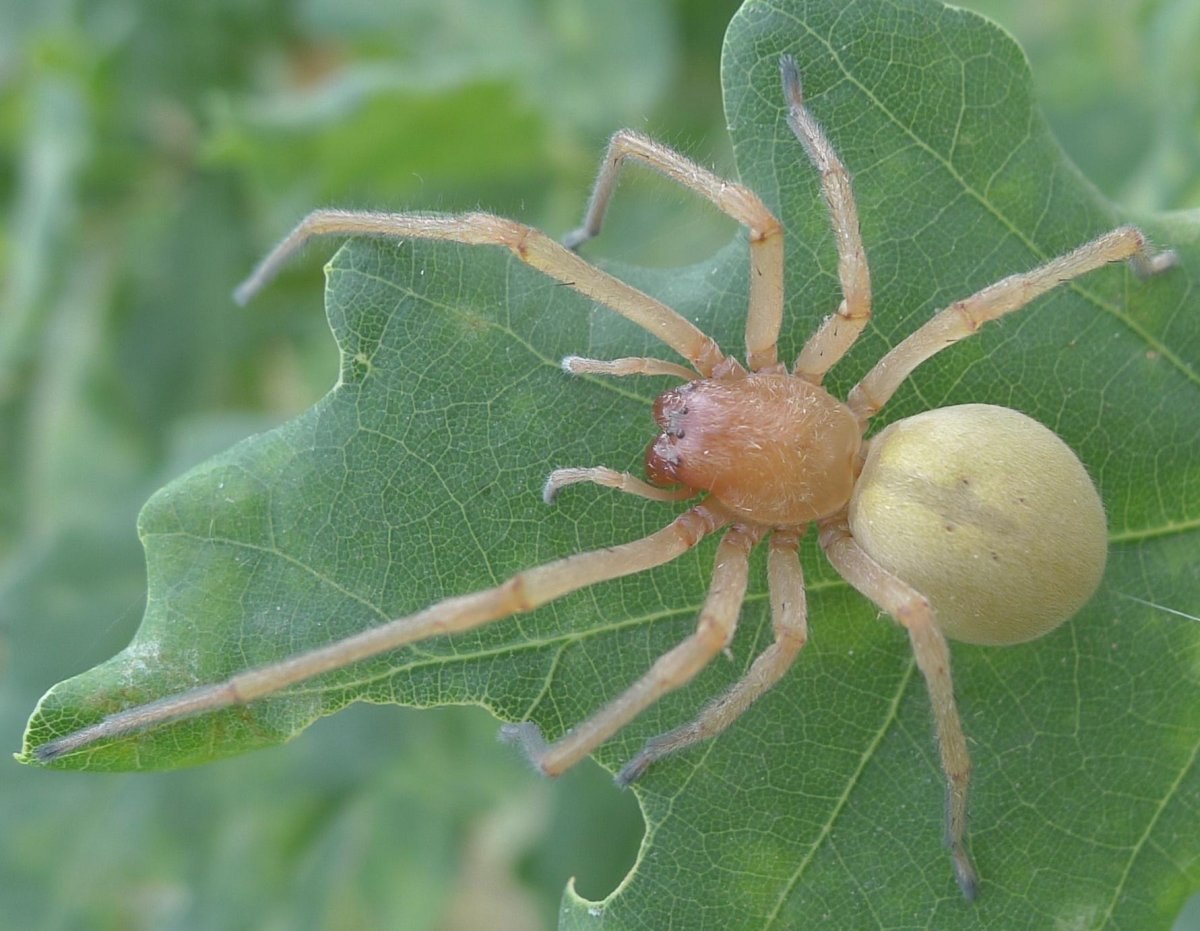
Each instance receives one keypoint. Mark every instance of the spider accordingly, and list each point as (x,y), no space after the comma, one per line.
(972,522)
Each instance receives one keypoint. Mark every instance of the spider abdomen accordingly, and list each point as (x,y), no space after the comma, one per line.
(772,448)
(988,514)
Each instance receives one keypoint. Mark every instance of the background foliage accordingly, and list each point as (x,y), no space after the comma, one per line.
(150,153)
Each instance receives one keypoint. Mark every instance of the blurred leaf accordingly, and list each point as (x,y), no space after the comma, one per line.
(418,476)
(1120,83)
(138,181)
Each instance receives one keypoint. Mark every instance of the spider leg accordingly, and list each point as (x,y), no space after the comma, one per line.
(522,592)
(963,318)
(531,246)
(912,611)
(611,478)
(765,314)
(677,667)
(577,365)
(785,579)
(838,332)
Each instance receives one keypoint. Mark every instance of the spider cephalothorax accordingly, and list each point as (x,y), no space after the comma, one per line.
(771,448)
(906,518)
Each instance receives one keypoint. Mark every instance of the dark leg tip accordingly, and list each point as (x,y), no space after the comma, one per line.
(527,736)
(633,770)
(789,73)
(968,879)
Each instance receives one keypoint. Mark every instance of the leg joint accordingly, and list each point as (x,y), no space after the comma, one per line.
(515,595)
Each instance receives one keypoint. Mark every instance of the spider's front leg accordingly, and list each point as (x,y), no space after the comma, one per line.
(912,611)
(519,593)
(530,245)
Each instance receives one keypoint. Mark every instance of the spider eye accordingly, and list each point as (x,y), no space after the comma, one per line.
(670,407)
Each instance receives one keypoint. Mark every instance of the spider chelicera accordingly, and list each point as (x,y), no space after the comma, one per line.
(970,547)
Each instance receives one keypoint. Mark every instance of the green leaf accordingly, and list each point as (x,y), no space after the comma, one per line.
(418,477)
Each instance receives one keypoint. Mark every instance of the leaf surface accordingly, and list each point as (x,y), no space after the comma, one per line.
(418,477)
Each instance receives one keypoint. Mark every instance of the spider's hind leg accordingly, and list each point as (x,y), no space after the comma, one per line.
(911,610)
(964,318)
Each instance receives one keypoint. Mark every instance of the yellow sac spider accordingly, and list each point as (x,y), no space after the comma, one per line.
(971,522)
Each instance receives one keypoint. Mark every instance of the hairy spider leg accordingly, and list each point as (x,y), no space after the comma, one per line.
(520,593)
(715,627)
(765,314)
(785,582)
(964,318)
(531,246)
(912,611)
(838,332)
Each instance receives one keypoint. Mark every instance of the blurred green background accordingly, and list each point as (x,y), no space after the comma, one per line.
(150,151)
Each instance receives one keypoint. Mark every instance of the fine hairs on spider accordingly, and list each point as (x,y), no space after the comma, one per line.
(971,522)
